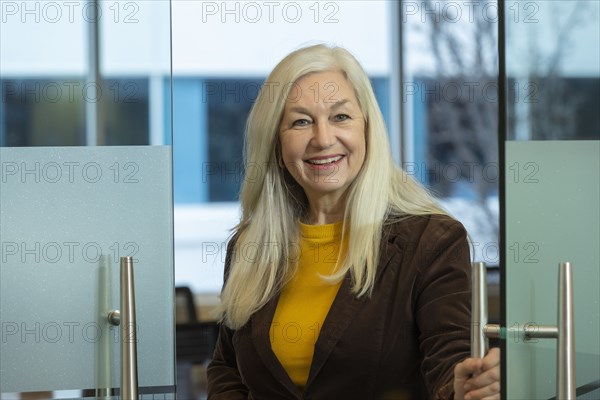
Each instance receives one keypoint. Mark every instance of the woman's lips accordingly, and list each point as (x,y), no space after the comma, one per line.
(324,162)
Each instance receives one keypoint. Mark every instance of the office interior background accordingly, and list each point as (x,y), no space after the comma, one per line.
(181,76)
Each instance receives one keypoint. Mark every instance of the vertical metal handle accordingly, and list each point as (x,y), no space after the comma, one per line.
(565,369)
(129,377)
(564,331)
(479,310)
(125,317)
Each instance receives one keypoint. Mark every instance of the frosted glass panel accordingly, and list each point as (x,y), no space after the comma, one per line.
(552,215)
(66,216)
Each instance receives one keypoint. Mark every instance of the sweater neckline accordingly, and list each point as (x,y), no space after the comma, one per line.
(331,231)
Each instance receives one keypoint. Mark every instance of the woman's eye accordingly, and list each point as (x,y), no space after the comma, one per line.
(301,122)
(341,117)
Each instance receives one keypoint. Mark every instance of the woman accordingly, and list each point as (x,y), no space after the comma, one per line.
(344,279)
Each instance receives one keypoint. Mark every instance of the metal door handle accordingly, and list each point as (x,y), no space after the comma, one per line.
(563,331)
(479,310)
(126,319)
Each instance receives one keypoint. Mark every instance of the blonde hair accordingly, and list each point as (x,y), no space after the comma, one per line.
(263,255)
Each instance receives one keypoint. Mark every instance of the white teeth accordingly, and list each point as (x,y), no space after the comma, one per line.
(325,160)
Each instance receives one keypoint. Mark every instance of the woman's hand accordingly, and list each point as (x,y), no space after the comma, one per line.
(478,378)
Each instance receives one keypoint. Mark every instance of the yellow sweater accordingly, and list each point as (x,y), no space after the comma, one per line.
(306,300)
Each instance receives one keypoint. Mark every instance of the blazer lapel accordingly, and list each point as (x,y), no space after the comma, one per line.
(260,336)
(342,312)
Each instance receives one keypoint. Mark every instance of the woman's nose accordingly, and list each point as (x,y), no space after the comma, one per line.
(323,135)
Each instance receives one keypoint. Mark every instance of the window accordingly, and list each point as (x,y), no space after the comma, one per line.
(450,98)
(51,112)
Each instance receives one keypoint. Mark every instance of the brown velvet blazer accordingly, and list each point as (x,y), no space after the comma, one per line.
(400,343)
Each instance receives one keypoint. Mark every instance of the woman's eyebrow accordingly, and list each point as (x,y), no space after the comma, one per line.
(299,109)
(334,106)
(339,103)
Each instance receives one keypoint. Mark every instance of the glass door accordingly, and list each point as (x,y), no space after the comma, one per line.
(550,73)
(85,179)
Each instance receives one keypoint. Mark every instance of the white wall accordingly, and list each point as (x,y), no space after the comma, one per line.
(250,37)
(224,38)
(50,38)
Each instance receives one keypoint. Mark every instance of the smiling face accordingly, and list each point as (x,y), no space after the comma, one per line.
(322,134)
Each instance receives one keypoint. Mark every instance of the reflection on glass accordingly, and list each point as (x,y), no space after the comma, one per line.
(47,112)
(552,166)
(71,202)
(553,68)
(450,98)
